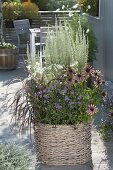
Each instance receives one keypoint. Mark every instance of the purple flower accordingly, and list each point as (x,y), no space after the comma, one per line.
(45,90)
(58,106)
(66,98)
(79,97)
(40,93)
(79,103)
(46,96)
(72,104)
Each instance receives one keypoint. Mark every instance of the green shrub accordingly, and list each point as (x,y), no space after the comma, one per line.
(13,157)
(92,4)
(11,10)
(29,10)
(17,10)
(52,5)
(92,49)
(42,4)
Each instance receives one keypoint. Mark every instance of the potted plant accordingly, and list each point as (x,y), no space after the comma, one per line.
(8,52)
(58,100)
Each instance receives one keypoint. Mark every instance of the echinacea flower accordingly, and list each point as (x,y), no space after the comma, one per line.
(104,94)
(88,70)
(111,114)
(98,82)
(79,77)
(96,73)
(92,110)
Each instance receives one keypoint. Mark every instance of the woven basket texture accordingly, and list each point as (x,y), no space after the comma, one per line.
(63,144)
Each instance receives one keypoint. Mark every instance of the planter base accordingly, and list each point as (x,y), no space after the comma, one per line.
(63,145)
(8,59)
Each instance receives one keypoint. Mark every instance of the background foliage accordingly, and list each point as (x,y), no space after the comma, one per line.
(94,6)
(54,4)
(17,10)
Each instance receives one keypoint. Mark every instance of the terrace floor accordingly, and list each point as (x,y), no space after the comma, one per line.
(102,152)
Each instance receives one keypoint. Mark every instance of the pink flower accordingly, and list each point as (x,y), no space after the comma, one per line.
(79,78)
(88,69)
(92,110)
(96,74)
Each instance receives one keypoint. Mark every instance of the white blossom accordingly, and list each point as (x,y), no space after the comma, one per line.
(87,30)
(89,6)
(79,21)
(70,14)
(84,13)
(58,9)
(63,6)
(75,6)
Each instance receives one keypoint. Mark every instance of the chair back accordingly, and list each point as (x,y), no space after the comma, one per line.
(22,26)
(22,30)
(43,37)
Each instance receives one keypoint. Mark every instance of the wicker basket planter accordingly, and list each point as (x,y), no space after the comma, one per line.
(63,145)
(8,58)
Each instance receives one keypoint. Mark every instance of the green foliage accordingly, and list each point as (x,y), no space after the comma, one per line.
(13,157)
(62,50)
(18,10)
(106,126)
(11,10)
(66,99)
(7,46)
(92,49)
(29,10)
(92,4)
(42,4)
(52,5)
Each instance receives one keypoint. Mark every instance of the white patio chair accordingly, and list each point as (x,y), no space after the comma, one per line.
(42,43)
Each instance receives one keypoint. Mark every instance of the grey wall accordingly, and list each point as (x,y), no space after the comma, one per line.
(103,28)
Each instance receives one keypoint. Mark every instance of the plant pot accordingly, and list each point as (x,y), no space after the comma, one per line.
(8,59)
(63,144)
(9,24)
